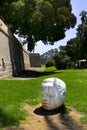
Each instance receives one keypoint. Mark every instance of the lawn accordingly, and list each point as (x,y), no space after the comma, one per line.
(15,93)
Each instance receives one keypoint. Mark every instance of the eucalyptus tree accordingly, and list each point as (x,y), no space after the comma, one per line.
(82,34)
(45,20)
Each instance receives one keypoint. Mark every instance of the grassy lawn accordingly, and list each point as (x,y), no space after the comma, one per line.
(15,93)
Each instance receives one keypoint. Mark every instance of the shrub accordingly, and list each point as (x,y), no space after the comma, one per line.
(50,63)
(61,61)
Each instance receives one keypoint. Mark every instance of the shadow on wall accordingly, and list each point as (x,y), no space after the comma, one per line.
(16,55)
(36,73)
(13,58)
(20,59)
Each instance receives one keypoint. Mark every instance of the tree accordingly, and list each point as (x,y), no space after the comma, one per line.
(62,60)
(73,49)
(82,34)
(45,20)
(45,57)
(76,48)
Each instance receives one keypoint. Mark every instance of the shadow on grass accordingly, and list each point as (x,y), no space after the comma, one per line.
(61,120)
(70,123)
(42,112)
(34,74)
(6,119)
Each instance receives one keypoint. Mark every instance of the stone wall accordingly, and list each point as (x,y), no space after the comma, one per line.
(5,61)
(13,58)
(35,60)
(26,60)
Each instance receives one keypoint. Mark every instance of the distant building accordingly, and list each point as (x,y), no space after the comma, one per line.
(81,63)
(13,57)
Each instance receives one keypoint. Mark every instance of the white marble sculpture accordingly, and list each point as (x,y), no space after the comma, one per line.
(53,93)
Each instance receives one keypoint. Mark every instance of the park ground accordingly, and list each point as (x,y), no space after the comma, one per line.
(40,119)
(37,118)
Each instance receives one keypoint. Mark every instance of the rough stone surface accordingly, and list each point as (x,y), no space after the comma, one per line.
(53,93)
(13,57)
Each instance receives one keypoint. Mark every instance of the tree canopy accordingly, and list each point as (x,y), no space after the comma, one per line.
(61,59)
(45,20)
(76,48)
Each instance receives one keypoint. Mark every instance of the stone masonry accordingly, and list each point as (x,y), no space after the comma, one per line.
(13,57)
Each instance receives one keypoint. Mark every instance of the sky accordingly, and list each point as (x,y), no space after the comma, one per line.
(77,7)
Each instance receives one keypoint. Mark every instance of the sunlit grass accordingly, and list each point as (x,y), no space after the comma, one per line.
(15,93)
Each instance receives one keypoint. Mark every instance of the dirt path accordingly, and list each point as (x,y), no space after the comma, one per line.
(39,119)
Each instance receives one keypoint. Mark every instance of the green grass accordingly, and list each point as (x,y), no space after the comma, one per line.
(15,93)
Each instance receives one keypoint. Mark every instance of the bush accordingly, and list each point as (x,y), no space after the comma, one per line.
(61,61)
(50,63)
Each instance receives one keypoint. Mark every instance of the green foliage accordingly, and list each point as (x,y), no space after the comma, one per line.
(50,63)
(31,44)
(44,20)
(76,47)
(48,55)
(82,33)
(61,60)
